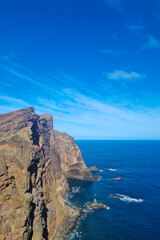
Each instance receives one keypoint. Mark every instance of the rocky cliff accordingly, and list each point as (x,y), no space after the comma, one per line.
(35,162)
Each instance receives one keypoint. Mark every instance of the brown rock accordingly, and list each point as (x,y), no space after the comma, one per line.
(94,169)
(116,196)
(34,163)
(96,205)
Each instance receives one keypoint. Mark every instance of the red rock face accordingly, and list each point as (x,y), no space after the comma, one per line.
(35,161)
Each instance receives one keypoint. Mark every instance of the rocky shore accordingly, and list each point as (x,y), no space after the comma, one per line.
(69,223)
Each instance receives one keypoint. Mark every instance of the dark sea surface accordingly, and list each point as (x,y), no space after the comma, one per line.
(139,163)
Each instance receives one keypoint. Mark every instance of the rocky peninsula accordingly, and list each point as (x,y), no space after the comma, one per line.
(35,162)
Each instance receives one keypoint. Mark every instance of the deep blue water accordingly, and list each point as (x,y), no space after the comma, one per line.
(139,163)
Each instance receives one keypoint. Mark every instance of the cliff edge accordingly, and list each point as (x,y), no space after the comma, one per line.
(35,162)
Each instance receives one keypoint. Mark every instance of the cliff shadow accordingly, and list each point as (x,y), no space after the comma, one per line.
(44,215)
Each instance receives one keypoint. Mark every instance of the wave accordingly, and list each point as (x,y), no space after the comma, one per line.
(86,211)
(112,169)
(68,199)
(70,195)
(126,198)
(101,170)
(75,189)
(74,234)
(130,199)
(99,179)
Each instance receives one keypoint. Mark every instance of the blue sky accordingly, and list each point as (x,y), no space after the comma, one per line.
(94,65)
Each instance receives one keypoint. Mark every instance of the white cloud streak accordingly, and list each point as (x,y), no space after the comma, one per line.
(123,75)
(151,43)
(14,101)
(86,116)
(107,51)
(136,28)
(80,113)
(116,4)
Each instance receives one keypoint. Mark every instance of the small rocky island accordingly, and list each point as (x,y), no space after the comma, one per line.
(95,205)
(116,196)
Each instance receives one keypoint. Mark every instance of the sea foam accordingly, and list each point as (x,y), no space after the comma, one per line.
(130,199)
(76,189)
(112,169)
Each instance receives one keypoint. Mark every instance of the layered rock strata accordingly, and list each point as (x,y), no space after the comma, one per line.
(35,162)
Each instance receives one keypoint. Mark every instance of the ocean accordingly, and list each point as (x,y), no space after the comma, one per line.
(128,218)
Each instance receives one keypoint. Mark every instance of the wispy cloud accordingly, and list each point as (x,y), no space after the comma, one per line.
(51,86)
(13,100)
(151,43)
(8,103)
(107,51)
(136,28)
(78,111)
(18,74)
(123,75)
(116,4)
(86,116)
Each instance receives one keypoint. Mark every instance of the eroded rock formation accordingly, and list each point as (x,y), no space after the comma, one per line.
(95,205)
(35,162)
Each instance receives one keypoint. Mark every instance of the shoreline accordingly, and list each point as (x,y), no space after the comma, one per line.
(75,213)
(70,222)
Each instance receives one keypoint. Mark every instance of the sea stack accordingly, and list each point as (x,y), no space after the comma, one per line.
(95,205)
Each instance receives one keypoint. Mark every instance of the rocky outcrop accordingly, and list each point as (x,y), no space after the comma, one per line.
(35,161)
(95,205)
(94,169)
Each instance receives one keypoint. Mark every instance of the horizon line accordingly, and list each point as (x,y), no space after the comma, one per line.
(119,139)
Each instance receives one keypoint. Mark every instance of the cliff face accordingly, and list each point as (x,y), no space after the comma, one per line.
(35,162)
(72,163)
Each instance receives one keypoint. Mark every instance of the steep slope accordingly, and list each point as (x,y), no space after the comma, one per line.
(35,161)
